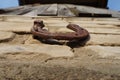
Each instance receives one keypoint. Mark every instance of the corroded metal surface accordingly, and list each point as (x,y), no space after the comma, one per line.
(78,34)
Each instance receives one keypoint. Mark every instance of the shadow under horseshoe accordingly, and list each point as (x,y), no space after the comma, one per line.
(72,44)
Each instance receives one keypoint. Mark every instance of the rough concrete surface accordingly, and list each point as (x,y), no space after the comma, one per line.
(24,58)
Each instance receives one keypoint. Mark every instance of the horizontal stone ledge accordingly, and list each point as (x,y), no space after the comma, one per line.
(18,17)
(96,22)
(15,26)
(105,52)
(90,19)
(101,39)
(104,30)
(90,30)
(50,50)
(63,24)
(95,39)
(26,27)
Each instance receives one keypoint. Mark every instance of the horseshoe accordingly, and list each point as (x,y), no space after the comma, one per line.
(78,34)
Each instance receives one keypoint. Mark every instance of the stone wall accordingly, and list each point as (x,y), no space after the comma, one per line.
(24,58)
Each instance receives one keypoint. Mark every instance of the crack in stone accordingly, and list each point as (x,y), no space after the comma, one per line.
(57,58)
(112,45)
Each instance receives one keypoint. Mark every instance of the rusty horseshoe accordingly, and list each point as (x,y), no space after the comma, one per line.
(78,34)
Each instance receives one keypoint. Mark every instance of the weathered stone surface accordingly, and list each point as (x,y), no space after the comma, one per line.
(104,30)
(90,30)
(106,52)
(105,59)
(34,71)
(28,58)
(95,22)
(97,29)
(102,39)
(15,26)
(98,52)
(51,50)
(90,19)
(6,36)
(84,25)
(101,51)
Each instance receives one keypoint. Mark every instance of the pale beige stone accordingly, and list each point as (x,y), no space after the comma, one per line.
(51,50)
(106,51)
(95,22)
(92,28)
(16,26)
(104,30)
(6,36)
(84,25)
(16,18)
(98,51)
(105,59)
(56,23)
(102,39)
(90,19)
